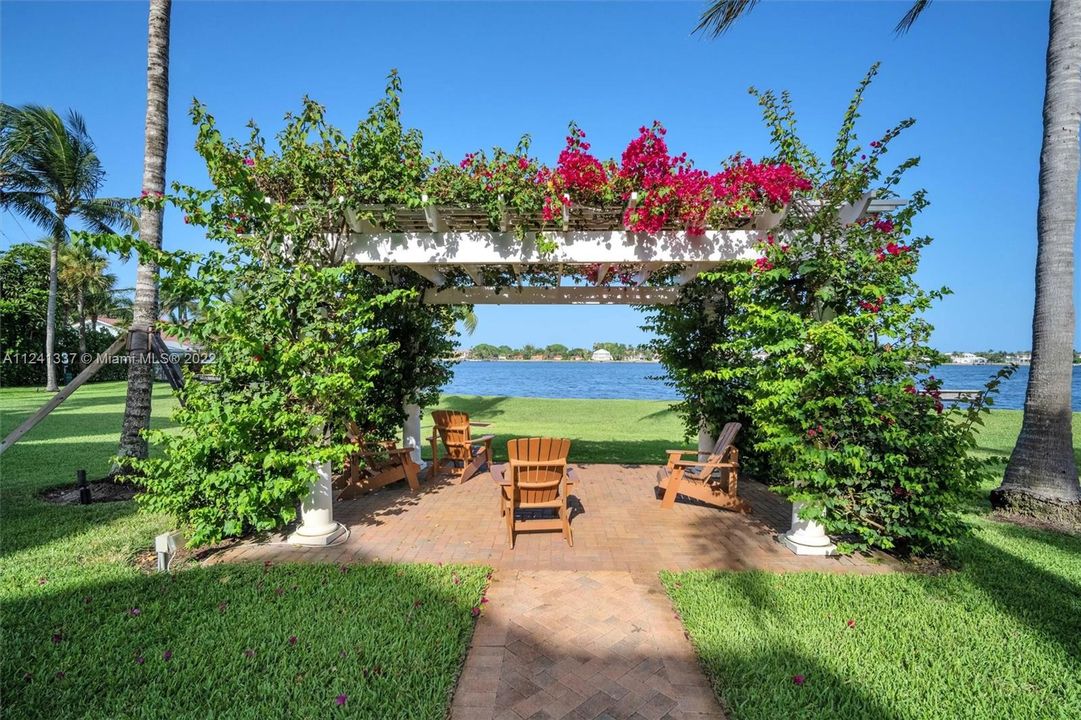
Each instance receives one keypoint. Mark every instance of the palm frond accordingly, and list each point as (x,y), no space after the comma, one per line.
(905,23)
(721,15)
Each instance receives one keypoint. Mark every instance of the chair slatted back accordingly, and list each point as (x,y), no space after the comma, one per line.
(724,441)
(453,429)
(538,483)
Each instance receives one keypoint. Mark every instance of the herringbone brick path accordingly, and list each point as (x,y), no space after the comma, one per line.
(578,645)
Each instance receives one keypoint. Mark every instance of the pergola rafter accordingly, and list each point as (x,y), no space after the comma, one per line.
(440,243)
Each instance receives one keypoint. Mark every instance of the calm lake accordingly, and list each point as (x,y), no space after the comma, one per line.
(642,381)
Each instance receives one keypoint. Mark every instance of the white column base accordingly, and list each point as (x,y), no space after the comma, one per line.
(317,525)
(807,537)
(320,539)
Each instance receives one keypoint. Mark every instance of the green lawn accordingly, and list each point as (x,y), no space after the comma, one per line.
(85,635)
(999,639)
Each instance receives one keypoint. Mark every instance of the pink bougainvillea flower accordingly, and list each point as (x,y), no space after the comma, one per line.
(341,699)
(187,219)
(292,639)
(167,655)
(475,612)
(798,679)
(884,226)
(135,612)
(139,659)
(850,623)
(484,600)
(249,161)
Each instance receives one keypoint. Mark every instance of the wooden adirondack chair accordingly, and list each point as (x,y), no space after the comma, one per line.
(374,466)
(463,454)
(713,480)
(538,475)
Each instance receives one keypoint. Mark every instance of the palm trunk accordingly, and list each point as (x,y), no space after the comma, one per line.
(1042,472)
(50,315)
(140,374)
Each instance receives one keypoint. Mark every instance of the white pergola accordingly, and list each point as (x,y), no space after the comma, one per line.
(469,263)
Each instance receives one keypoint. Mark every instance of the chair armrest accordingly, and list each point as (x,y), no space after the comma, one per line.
(480,424)
(684,452)
(482,439)
(688,463)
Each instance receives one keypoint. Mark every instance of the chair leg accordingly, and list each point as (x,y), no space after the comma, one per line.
(672,490)
(510,527)
(567,535)
(410,469)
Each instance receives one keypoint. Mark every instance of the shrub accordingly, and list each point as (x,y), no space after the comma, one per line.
(820,343)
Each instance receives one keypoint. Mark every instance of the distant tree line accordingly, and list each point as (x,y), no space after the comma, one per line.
(86,294)
(558,351)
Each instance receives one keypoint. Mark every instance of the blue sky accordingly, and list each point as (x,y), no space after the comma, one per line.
(480,74)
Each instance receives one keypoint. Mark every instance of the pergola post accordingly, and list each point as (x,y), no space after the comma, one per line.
(317,525)
(705,440)
(411,431)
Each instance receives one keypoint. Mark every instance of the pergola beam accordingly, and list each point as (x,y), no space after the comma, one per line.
(576,247)
(567,295)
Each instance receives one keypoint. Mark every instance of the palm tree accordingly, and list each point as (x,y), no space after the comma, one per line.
(50,173)
(181,307)
(1042,468)
(83,275)
(1042,472)
(140,375)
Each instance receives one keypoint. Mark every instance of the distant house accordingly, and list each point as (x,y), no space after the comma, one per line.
(967,358)
(601,356)
(116,327)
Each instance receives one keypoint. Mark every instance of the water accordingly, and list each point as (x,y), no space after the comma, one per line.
(637,381)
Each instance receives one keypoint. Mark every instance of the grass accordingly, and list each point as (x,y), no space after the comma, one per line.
(601,431)
(999,638)
(73,647)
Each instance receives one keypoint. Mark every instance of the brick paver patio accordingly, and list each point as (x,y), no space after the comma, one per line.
(618,525)
(570,632)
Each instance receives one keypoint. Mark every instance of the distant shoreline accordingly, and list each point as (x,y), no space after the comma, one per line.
(530,360)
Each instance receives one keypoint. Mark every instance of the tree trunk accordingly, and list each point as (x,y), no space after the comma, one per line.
(141,374)
(1042,470)
(80,308)
(50,315)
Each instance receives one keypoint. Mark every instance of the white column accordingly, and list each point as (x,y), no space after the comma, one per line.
(807,537)
(705,441)
(317,524)
(411,431)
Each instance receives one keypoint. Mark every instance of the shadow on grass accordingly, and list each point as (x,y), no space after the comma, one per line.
(1046,602)
(240,641)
